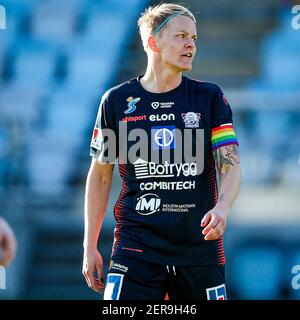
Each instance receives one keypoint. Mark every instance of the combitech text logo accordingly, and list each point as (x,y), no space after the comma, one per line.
(2,278)
(2,18)
(296,17)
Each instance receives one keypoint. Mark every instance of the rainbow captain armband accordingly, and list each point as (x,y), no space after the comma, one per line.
(223,136)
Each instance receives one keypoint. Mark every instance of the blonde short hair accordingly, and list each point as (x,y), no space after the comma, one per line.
(154,16)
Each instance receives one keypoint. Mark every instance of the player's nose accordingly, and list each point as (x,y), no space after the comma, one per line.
(190,44)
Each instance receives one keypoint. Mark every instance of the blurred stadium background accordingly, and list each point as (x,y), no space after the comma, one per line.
(56,60)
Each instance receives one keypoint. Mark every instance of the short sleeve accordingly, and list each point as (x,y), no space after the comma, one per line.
(104,138)
(222,133)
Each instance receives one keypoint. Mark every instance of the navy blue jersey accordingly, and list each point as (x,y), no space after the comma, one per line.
(161,203)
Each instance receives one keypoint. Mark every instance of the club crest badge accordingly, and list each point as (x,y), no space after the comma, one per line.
(191,119)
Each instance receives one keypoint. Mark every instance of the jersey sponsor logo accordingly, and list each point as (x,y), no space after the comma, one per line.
(171,185)
(216,293)
(113,286)
(95,134)
(131,104)
(134,119)
(147,204)
(163,137)
(156,104)
(97,139)
(178,208)
(144,169)
(117,266)
(162,117)
(191,119)
(150,203)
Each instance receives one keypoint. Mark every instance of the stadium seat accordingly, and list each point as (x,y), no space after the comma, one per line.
(53,25)
(49,164)
(88,70)
(70,109)
(23,104)
(39,64)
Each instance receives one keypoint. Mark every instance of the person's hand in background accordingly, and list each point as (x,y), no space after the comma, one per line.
(8,243)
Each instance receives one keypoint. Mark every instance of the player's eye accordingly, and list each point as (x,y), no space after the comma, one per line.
(181,35)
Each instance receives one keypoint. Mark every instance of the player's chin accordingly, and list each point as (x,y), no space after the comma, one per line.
(183,69)
(186,67)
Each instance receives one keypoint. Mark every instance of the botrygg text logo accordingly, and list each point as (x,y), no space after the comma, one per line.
(144,169)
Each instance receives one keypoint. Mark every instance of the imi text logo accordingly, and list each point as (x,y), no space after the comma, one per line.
(2,18)
(296,18)
(2,278)
(148,204)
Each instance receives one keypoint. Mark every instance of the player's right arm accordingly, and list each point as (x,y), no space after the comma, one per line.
(98,186)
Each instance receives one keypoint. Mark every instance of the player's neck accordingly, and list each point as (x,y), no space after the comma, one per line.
(158,81)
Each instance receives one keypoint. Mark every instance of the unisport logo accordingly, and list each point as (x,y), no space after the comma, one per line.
(134,119)
(152,117)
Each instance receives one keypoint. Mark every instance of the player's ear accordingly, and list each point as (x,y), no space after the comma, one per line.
(152,44)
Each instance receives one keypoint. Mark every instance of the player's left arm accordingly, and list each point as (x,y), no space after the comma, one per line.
(228,166)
